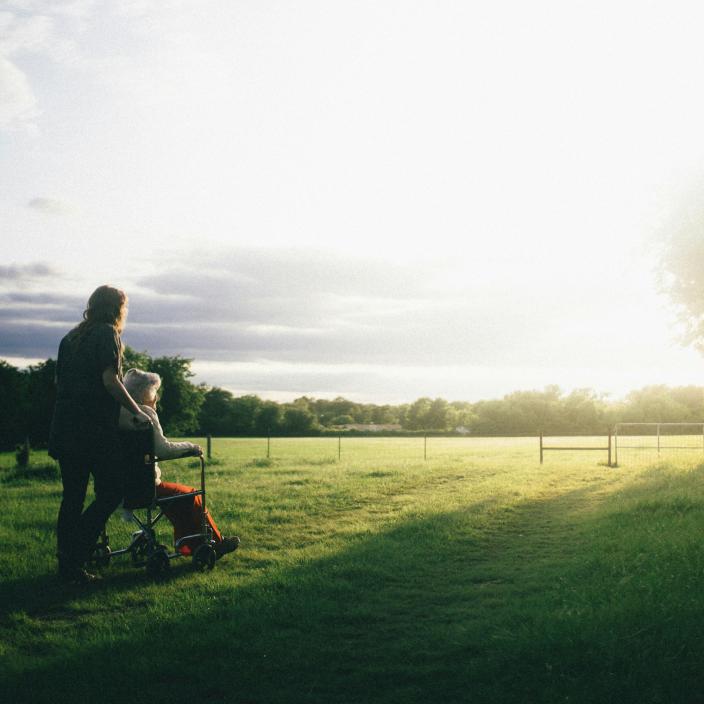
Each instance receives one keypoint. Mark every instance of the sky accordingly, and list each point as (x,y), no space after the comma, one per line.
(381,200)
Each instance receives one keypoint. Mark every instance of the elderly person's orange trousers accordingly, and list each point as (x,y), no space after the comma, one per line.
(185,515)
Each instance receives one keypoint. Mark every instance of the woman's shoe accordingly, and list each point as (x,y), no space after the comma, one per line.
(226,545)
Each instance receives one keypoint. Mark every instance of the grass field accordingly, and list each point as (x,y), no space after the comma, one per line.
(477,575)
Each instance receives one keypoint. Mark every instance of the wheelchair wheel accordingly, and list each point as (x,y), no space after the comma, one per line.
(139,550)
(100,556)
(158,563)
(204,558)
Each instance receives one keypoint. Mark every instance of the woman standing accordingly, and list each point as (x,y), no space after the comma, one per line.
(83,435)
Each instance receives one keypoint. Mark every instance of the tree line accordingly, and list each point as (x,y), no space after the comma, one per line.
(186,408)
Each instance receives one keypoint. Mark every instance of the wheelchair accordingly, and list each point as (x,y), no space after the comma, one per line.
(145,550)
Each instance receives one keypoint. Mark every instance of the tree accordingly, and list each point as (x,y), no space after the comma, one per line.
(342,420)
(383,415)
(180,402)
(682,272)
(214,417)
(530,411)
(415,417)
(298,419)
(243,412)
(40,397)
(131,359)
(655,404)
(691,397)
(13,406)
(268,419)
(438,415)
(583,411)
(464,415)
(492,418)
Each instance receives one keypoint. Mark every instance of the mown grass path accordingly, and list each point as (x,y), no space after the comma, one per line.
(477,576)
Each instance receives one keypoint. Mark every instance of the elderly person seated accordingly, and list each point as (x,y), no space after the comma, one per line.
(185,516)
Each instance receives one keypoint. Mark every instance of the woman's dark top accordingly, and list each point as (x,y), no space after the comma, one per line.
(85,415)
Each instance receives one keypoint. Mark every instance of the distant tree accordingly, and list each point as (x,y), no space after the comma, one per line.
(581,411)
(244,410)
(402,414)
(362,413)
(438,416)
(656,404)
(268,419)
(416,416)
(463,415)
(692,398)
(40,398)
(13,405)
(682,271)
(337,407)
(342,420)
(529,411)
(384,415)
(131,359)
(215,412)
(304,402)
(180,402)
(493,418)
(298,419)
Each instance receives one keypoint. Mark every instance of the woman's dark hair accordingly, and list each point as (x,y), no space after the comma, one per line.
(105,305)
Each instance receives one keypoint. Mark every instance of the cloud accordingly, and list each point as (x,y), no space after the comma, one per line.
(18,105)
(23,33)
(23,272)
(31,339)
(68,8)
(45,314)
(307,305)
(312,306)
(43,28)
(50,206)
(295,306)
(327,322)
(34,29)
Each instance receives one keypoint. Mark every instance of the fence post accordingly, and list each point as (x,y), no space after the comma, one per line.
(541,447)
(268,444)
(616,445)
(339,446)
(209,442)
(609,447)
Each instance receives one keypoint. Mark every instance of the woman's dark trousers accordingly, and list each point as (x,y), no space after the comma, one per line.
(77,530)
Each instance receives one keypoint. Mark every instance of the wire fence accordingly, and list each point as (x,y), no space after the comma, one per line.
(637,442)
(392,448)
(628,444)
(363,447)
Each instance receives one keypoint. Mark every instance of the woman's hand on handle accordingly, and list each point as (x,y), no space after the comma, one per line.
(141,420)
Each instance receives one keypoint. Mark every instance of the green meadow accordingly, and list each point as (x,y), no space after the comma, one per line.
(370,574)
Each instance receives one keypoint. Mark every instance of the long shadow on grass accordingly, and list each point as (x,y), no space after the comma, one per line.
(543,601)
(45,595)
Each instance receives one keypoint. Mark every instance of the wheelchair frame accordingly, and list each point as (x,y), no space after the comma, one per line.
(140,493)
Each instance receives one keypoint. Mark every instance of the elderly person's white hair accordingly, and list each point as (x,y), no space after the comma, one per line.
(142,386)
